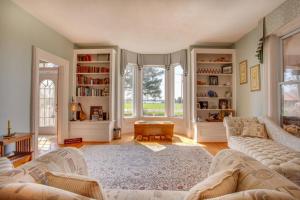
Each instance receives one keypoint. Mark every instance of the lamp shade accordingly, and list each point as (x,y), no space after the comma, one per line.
(73,107)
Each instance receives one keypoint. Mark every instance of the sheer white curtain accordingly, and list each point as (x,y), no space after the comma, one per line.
(272,74)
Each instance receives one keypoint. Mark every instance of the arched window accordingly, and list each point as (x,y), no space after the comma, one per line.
(47,103)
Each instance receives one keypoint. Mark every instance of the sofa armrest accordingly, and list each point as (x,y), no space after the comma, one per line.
(279,135)
(31,191)
(64,160)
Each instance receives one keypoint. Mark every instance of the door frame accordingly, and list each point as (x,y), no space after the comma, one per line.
(62,95)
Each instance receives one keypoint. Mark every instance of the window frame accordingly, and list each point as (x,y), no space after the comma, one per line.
(135,92)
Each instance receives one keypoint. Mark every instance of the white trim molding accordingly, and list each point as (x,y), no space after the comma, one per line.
(63,95)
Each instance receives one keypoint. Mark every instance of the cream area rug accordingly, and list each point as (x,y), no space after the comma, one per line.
(147,166)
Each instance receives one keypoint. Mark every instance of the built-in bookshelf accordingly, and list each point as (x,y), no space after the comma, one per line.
(94,89)
(213,86)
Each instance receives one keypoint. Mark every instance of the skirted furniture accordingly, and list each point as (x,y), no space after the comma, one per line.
(66,171)
(278,150)
(153,129)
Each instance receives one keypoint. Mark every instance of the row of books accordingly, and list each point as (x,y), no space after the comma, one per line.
(93,57)
(92,69)
(88,91)
(89,80)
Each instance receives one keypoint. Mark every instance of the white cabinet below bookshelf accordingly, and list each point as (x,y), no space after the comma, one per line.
(92,131)
(205,132)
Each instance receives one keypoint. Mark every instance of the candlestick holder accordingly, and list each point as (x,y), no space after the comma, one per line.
(9,134)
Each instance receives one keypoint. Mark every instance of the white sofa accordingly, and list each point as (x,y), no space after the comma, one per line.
(280,151)
(29,182)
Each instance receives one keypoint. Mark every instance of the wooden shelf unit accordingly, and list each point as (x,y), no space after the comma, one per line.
(95,88)
(206,63)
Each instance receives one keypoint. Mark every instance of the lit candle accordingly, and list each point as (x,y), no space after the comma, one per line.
(8,124)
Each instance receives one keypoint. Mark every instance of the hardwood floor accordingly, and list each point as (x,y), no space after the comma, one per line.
(211,147)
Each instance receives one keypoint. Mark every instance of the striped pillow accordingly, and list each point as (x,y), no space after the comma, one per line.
(5,165)
(78,184)
(219,184)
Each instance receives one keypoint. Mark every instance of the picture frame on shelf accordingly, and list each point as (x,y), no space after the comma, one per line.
(255,78)
(226,69)
(213,80)
(243,66)
(96,113)
(203,104)
(223,104)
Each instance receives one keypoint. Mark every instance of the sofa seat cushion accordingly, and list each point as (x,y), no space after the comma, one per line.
(115,194)
(276,156)
(256,195)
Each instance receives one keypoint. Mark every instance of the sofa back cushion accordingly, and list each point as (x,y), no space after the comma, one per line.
(253,174)
(254,129)
(234,125)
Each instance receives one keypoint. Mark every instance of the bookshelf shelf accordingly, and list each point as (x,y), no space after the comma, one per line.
(213,92)
(93,73)
(214,86)
(214,63)
(93,62)
(94,87)
(212,74)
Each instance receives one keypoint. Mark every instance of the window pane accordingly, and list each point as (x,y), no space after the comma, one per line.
(153,91)
(290,89)
(291,57)
(129,91)
(47,103)
(178,91)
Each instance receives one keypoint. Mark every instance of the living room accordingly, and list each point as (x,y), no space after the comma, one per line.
(150,99)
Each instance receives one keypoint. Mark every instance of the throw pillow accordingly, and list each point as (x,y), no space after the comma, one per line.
(34,191)
(254,129)
(78,184)
(256,195)
(219,184)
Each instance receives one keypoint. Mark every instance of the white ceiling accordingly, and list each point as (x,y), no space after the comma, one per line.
(150,26)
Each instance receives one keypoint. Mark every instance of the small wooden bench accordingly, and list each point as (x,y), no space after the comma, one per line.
(153,130)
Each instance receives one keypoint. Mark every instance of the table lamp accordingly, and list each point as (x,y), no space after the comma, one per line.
(73,107)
